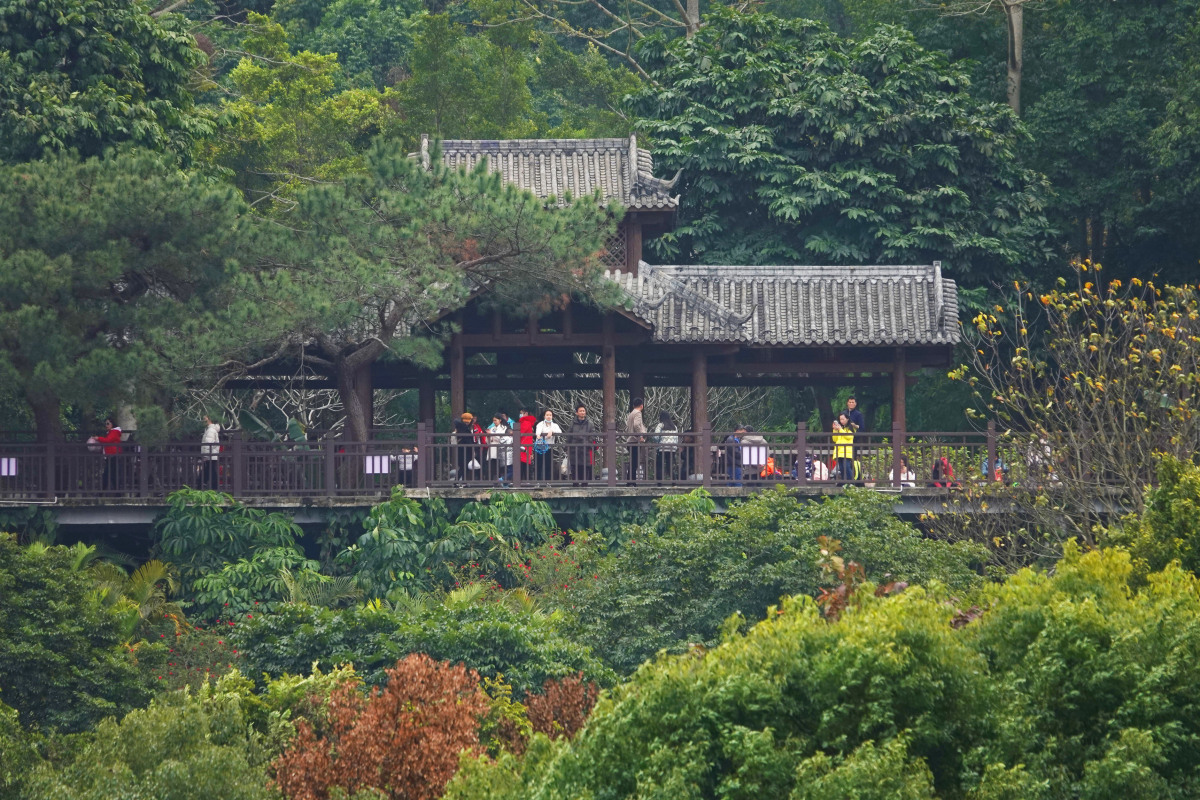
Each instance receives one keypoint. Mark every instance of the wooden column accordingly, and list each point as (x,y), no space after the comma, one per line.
(699,390)
(633,245)
(637,377)
(899,384)
(458,388)
(899,428)
(608,371)
(426,398)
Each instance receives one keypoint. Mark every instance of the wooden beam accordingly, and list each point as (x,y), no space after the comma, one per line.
(780,368)
(488,343)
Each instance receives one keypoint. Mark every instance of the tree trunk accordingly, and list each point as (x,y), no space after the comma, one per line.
(692,23)
(355,391)
(1014,13)
(47,417)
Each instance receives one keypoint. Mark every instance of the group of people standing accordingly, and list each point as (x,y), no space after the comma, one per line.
(545,451)
(526,443)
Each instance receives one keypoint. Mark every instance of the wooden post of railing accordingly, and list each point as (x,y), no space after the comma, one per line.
(610,452)
(801,452)
(991,451)
(238,459)
(424,455)
(704,456)
(142,460)
(516,456)
(330,454)
(898,437)
(51,470)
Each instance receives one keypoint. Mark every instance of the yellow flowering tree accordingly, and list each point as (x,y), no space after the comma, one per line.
(1091,385)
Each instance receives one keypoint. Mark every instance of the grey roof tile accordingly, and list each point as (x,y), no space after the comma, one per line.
(876,305)
(618,168)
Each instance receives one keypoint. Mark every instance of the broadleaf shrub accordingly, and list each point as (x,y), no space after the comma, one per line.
(403,741)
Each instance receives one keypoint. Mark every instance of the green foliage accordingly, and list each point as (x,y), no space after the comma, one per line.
(410,547)
(84,75)
(1122,104)
(104,264)
(1169,528)
(372,38)
(293,121)
(182,747)
(580,94)
(800,147)
(250,584)
(17,755)
(29,523)
(466,86)
(527,648)
(229,555)
(202,531)
(686,571)
(62,663)
(1065,686)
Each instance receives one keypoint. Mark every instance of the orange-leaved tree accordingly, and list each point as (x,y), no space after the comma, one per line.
(403,740)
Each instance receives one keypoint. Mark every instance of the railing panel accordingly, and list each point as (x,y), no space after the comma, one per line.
(424,459)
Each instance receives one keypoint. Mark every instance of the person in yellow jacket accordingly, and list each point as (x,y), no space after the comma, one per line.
(843,446)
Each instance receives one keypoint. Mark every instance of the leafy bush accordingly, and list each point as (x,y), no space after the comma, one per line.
(686,571)
(409,547)
(202,531)
(17,755)
(1169,529)
(1071,685)
(62,662)
(526,647)
(182,747)
(403,741)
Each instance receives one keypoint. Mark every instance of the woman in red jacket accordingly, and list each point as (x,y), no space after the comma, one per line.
(112,445)
(526,422)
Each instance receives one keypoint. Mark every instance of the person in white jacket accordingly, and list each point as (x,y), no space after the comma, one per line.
(500,449)
(543,446)
(210,449)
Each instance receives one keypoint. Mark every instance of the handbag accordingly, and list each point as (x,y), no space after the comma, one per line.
(541,447)
(473,464)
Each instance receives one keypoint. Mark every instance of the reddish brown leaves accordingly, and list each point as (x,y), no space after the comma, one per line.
(404,740)
(563,706)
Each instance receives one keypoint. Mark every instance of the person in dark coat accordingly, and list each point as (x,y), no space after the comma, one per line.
(581,447)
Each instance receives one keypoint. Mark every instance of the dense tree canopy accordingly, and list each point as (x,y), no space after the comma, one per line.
(63,664)
(1063,686)
(86,75)
(101,263)
(798,146)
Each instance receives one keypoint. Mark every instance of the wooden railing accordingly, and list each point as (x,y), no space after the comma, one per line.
(425,459)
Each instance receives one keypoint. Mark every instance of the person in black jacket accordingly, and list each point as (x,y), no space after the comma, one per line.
(857,423)
(581,447)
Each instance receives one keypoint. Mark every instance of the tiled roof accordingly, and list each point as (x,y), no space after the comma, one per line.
(620,169)
(903,305)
